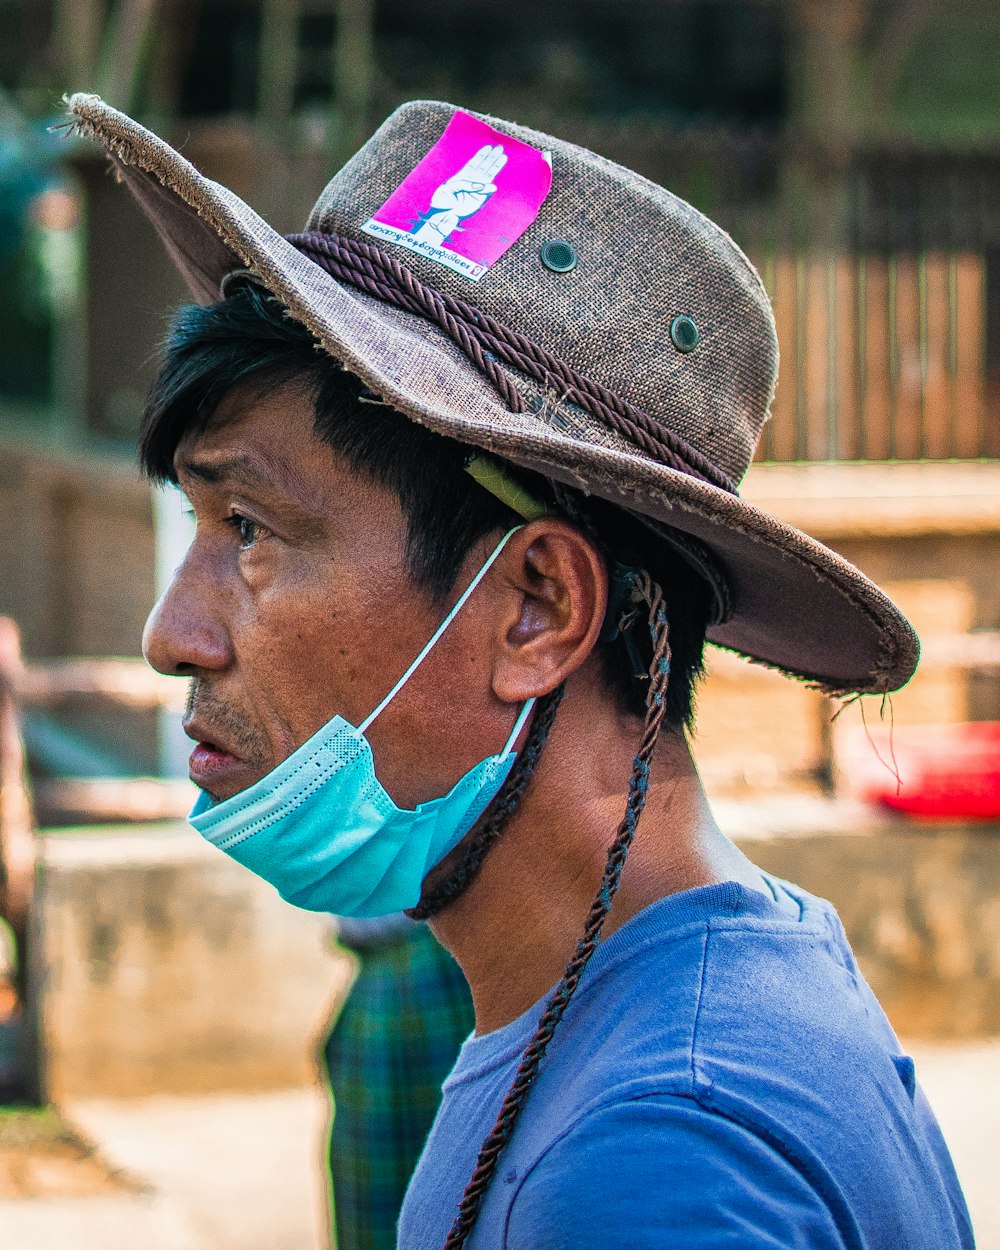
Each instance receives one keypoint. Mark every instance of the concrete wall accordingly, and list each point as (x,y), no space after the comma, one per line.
(164,966)
(921,907)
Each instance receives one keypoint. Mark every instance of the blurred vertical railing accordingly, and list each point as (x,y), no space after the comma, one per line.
(882,356)
(884,315)
(883,265)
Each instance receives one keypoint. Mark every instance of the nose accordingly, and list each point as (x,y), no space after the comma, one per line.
(186,633)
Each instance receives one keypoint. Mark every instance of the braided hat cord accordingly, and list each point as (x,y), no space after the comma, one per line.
(487,342)
(499,812)
(527,1071)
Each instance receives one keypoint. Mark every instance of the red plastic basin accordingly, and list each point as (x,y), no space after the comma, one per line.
(945,771)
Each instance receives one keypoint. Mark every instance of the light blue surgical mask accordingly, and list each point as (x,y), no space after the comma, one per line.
(322,829)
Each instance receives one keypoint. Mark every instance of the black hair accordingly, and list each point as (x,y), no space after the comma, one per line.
(248,339)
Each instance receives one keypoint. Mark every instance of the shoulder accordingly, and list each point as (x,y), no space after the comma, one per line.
(750,1024)
(786,1024)
(729,994)
(685,1176)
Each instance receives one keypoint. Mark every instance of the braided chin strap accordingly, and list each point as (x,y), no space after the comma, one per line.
(489,344)
(499,1135)
(498,813)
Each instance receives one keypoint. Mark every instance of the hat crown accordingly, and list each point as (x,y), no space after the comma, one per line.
(643,259)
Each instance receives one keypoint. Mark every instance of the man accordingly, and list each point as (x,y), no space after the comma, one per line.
(478,539)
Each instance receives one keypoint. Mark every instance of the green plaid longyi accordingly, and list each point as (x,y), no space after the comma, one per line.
(391,1048)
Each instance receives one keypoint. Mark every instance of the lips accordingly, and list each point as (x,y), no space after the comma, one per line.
(212,765)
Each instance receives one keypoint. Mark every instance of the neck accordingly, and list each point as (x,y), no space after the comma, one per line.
(515,928)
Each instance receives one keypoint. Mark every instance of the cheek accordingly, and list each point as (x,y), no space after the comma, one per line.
(325,647)
(304,668)
(442,724)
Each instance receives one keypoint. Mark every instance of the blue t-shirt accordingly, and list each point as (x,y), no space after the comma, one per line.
(723,1078)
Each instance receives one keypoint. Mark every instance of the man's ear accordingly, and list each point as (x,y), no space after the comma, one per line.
(553,608)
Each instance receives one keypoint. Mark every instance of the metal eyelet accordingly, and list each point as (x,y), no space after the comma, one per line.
(558,255)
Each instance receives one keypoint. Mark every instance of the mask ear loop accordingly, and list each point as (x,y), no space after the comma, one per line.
(518,726)
(432,642)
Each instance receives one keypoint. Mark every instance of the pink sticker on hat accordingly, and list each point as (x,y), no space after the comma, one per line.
(471,197)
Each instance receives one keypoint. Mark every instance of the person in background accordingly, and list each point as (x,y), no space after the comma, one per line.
(391,1046)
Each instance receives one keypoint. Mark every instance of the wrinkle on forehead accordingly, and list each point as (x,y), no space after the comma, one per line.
(264,443)
(267,450)
(240,469)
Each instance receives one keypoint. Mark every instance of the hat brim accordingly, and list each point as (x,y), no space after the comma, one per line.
(796,605)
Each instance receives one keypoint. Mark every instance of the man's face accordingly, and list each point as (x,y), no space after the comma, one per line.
(294,604)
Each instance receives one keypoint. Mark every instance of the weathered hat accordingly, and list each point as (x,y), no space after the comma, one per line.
(527,297)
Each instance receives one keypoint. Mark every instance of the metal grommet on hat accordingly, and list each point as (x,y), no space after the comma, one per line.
(684,333)
(558,255)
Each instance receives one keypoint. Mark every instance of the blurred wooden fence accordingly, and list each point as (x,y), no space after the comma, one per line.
(883,265)
(882,357)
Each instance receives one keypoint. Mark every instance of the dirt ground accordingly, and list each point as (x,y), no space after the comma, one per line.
(42,1156)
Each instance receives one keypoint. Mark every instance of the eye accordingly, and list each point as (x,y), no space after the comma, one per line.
(250,532)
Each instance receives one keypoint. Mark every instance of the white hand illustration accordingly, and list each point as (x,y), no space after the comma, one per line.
(462,195)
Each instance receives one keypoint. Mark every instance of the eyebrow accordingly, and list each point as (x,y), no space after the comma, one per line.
(274,484)
(230,469)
